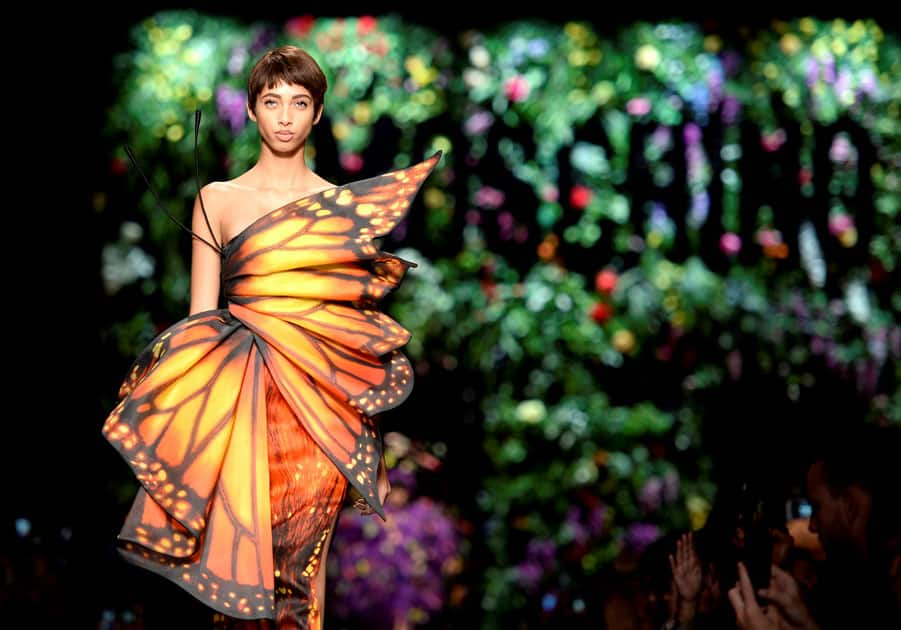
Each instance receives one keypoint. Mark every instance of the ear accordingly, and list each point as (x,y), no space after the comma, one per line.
(250,113)
(318,113)
(857,505)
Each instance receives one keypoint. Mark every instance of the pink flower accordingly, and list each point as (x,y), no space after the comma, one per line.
(841,151)
(730,244)
(517,89)
(769,238)
(488,197)
(771,142)
(351,162)
(840,223)
(638,106)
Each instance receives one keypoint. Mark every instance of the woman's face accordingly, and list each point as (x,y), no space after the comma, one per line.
(284,114)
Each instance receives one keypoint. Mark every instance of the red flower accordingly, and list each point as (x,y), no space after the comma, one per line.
(877,272)
(579,196)
(366,24)
(605,281)
(118,166)
(489,289)
(300,26)
(601,312)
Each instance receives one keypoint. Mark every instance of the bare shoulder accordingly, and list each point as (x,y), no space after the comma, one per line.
(218,198)
(320,183)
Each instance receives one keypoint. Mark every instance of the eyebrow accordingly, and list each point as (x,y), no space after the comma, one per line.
(278,96)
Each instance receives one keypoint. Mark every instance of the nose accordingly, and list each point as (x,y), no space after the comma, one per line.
(284,118)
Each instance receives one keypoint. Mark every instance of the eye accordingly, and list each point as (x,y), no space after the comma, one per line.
(302,104)
(269,102)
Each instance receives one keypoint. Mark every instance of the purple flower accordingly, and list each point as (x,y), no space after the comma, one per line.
(230,106)
(659,218)
(730,60)
(715,85)
(542,551)
(262,41)
(505,225)
(700,206)
(650,497)
(731,109)
(813,71)
(478,123)
(671,486)
(573,523)
(488,197)
(692,133)
(237,60)
(403,478)
(829,69)
(596,518)
(662,137)
(640,535)
(867,82)
(818,345)
(843,82)
(529,575)
(387,570)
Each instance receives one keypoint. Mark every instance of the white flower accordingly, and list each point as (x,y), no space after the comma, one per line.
(811,255)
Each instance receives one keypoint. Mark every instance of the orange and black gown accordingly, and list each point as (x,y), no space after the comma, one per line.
(245,424)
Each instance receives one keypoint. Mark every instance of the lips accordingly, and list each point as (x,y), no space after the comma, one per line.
(284,135)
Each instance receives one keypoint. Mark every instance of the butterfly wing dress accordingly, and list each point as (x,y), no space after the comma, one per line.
(245,425)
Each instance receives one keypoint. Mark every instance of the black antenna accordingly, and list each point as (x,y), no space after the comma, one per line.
(156,197)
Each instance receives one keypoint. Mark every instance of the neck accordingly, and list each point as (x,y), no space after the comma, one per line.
(281,171)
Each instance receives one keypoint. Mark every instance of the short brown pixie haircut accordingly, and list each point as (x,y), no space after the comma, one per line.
(291,65)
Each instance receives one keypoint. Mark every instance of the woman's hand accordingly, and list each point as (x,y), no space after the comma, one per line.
(686,569)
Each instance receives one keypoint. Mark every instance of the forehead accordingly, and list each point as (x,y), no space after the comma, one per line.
(287,90)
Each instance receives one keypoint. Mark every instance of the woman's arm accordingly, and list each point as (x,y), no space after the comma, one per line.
(205,261)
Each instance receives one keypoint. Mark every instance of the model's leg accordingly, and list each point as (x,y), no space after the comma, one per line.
(306,492)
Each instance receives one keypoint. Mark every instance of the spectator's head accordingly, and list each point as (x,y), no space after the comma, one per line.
(852,488)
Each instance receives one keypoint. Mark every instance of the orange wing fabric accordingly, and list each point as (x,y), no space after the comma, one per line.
(302,284)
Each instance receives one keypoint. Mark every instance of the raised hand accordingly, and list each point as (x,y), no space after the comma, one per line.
(748,613)
(686,569)
(783,591)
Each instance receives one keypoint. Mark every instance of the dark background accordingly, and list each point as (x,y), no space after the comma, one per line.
(57,470)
